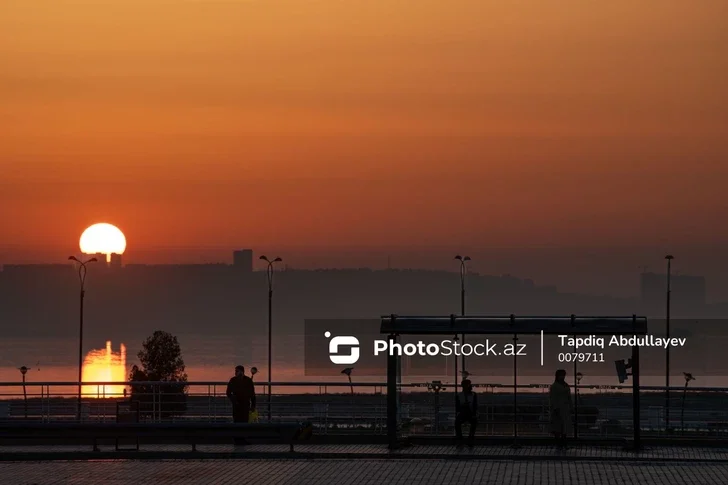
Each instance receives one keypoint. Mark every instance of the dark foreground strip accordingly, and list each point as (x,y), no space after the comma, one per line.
(254,455)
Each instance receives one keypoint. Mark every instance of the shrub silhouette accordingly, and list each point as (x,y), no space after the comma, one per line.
(161,361)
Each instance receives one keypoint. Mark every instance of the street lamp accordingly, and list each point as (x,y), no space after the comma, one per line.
(269,272)
(347,372)
(24,370)
(82,279)
(688,377)
(579,377)
(669,259)
(253,371)
(463,271)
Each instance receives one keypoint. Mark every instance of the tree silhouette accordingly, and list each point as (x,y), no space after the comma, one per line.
(161,361)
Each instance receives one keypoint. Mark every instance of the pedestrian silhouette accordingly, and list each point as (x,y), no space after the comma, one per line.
(241,392)
(467,411)
(561,406)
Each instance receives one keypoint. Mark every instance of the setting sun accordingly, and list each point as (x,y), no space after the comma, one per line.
(102,238)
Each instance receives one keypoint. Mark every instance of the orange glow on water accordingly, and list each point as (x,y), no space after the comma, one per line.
(104,365)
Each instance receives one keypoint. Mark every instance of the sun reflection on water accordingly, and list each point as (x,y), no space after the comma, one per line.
(104,365)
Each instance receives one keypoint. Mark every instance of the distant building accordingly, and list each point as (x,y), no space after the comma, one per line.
(687,297)
(243,260)
(115,260)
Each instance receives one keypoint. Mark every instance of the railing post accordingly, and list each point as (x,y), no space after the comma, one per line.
(437,412)
(392,412)
(636,416)
(155,400)
(515,386)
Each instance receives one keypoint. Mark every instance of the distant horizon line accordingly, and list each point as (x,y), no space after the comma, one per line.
(406,247)
(286,267)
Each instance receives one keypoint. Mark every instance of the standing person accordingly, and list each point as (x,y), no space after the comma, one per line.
(241,392)
(467,411)
(561,406)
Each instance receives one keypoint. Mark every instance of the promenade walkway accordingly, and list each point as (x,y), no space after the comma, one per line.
(377,452)
(362,472)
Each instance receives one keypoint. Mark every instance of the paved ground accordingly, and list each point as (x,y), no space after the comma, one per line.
(359,472)
(591,453)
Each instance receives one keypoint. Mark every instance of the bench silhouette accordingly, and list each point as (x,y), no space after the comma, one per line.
(177,433)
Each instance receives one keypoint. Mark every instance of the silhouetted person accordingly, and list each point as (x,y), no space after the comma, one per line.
(466,403)
(241,392)
(560,403)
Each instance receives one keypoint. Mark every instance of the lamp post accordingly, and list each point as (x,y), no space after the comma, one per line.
(24,370)
(253,371)
(669,259)
(579,376)
(269,272)
(463,271)
(347,372)
(82,279)
(688,377)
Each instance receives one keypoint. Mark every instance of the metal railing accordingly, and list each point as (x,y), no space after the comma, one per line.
(600,411)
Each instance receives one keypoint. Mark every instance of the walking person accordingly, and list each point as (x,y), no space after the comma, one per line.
(467,411)
(241,392)
(561,408)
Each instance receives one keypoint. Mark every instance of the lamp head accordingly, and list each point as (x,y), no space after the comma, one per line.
(264,258)
(23,370)
(92,260)
(277,260)
(73,258)
(466,258)
(347,371)
(688,376)
(253,370)
(669,256)
(459,258)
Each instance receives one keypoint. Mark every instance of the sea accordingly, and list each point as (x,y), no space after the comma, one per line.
(212,359)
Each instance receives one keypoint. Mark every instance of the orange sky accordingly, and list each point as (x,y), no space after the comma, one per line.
(340,122)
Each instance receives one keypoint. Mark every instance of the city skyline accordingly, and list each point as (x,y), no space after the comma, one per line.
(608,271)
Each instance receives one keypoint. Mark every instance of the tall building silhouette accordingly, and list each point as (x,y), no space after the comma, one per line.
(115,261)
(243,260)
